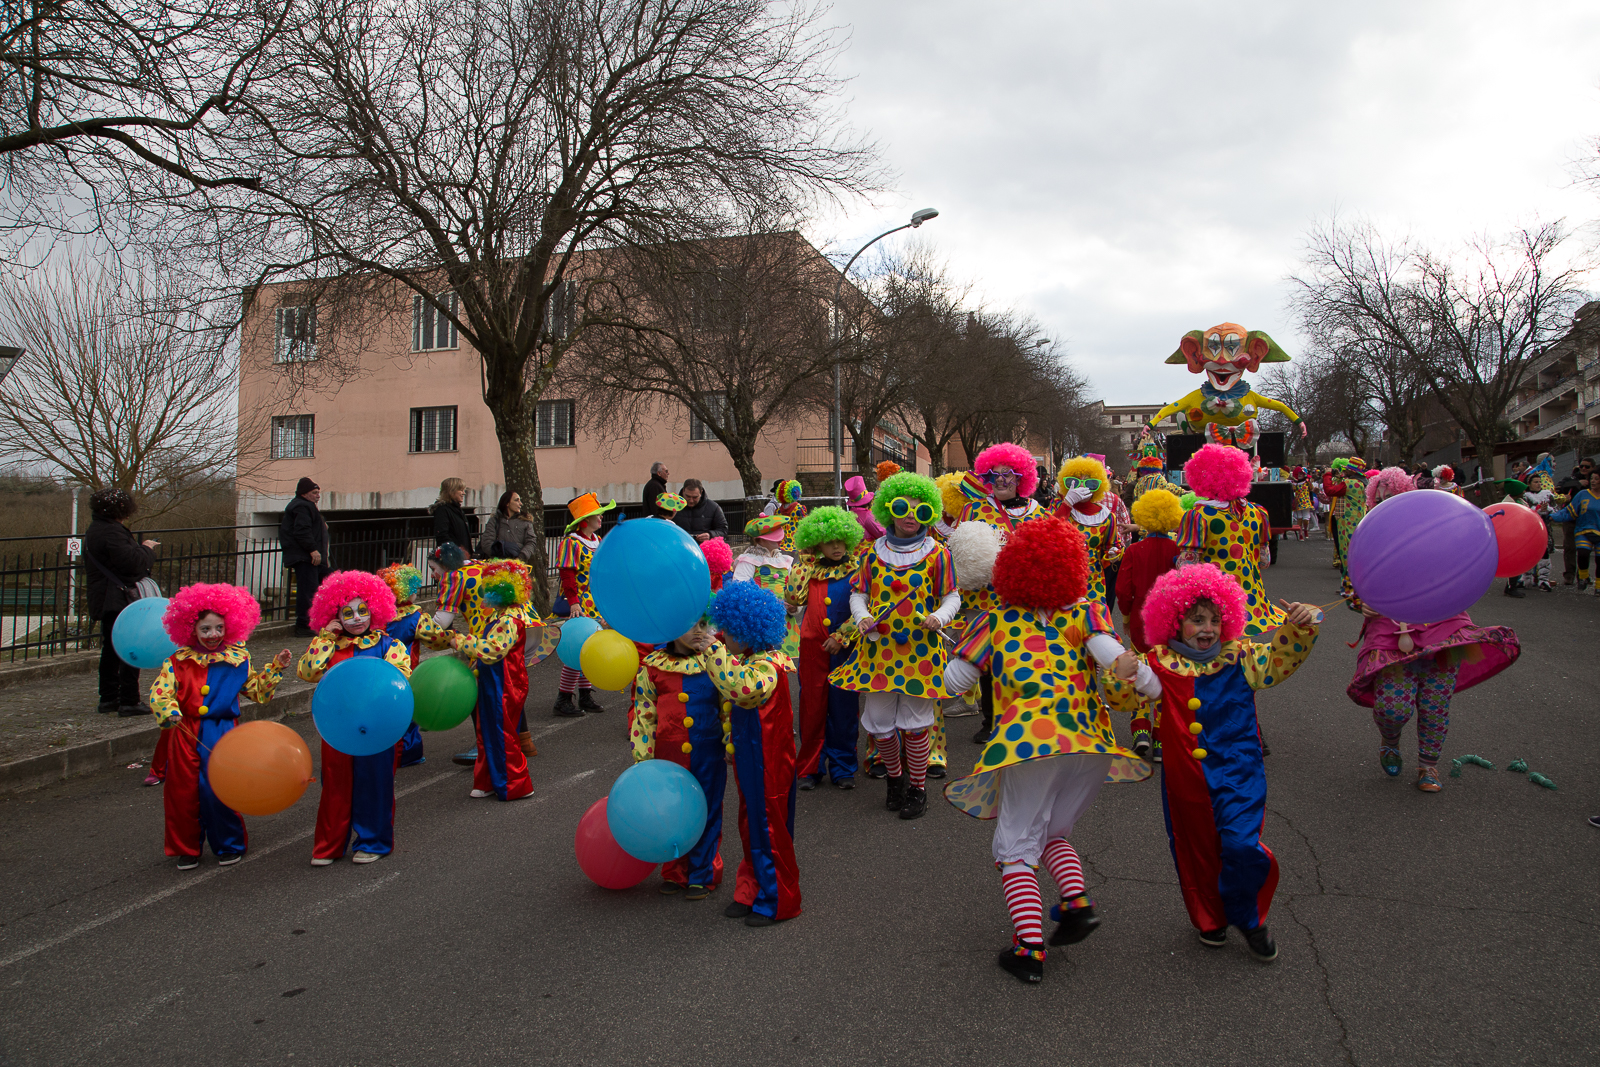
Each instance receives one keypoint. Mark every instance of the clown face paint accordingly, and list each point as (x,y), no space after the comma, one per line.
(1201,625)
(209,630)
(355,617)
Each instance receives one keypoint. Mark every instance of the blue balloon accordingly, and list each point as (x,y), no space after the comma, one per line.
(574,632)
(362,706)
(650,581)
(138,636)
(656,810)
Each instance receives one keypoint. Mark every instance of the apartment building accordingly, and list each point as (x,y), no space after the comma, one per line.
(1125,422)
(1560,396)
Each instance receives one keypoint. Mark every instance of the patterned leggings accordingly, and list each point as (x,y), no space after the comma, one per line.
(1421,688)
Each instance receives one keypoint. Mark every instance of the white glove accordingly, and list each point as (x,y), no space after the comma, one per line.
(443,619)
(1079,494)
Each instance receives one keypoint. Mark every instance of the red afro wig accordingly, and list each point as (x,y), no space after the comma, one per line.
(1218,472)
(1391,481)
(341,587)
(234,603)
(1014,457)
(1043,566)
(1177,590)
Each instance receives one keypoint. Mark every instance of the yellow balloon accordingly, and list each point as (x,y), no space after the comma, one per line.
(609,660)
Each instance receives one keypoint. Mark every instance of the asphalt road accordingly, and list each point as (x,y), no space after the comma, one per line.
(1458,928)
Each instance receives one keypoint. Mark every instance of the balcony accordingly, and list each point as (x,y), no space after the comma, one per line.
(1556,426)
(1543,397)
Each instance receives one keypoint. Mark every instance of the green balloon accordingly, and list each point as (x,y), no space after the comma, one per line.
(444,692)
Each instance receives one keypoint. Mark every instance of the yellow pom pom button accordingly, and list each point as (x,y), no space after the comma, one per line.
(1194,703)
(827,600)
(730,750)
(1194,728)
(688,720)
(727,705)
(1201,753)
(204,709)
(205,690)
(687,748)
(683,698)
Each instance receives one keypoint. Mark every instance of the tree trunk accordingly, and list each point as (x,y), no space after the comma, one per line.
(513,427)
(744,461)
(861,446)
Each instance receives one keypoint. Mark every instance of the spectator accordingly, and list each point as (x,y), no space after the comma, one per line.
(303,534)
(703,518)
(655,486)
(116,562)
(1570,486)
(450,525)
(507,535)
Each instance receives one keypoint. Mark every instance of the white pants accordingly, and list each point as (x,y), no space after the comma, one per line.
(884,713)
(1041,800)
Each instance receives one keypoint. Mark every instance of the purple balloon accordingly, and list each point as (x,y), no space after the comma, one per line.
(1423,556)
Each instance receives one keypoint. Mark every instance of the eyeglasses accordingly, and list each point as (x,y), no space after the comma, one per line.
(1000,475)
(901,506)
(1091,484)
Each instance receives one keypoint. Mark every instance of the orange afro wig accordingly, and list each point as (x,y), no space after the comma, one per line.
(1043,566)
(887,469)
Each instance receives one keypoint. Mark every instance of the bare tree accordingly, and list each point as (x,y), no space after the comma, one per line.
(1330,396)
(118,389)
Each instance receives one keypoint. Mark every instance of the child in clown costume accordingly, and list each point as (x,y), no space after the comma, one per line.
(1583,511)
(412,627)
(1225,529)
(785,503)
(902,595)
(1305,512)
(819,587)
(1158,513)
(1084,488)
(768,565)
(1213,783)
(1149,471)
(1348,479)
(573,559)
(350,611)
(679,717)
(1054,746)
(752,675)
(195,699)
(719,560)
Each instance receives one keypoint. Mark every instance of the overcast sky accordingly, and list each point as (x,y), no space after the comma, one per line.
(1127,170)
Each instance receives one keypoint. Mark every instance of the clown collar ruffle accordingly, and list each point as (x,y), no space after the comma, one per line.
(234,654)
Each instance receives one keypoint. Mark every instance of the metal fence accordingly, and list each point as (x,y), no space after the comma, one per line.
(816,457)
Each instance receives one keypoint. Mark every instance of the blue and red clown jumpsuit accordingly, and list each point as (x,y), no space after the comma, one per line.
(1213,783)
(755,693)
(411,627)
(356,810)
(195,698)
(678,717)
(830,717)
(501,667)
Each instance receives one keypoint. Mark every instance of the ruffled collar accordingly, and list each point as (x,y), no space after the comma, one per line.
(896,558)
(1091,518)
(1232,652)
(402,611)
(776,559)
(663,659)
(234,654)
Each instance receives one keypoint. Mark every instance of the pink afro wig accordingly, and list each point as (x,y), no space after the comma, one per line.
(238,609)
(1218,472)
(1017,458)
(341,587)
(1175,591)
(719,557)
(1386,483)
(1043,566)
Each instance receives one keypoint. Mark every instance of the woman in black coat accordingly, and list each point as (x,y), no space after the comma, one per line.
(449,519)
(115,560)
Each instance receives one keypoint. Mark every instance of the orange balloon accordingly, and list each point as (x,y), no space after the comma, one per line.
(260,768)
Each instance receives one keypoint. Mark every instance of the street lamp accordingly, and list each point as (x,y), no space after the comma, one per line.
(918,217)
(8,359)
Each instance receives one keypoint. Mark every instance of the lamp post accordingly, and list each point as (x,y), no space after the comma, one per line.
(917,219)
(8,359)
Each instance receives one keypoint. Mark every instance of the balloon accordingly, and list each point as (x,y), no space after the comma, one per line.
(609,660)
(1521,536)
(574,632)
(657,810)
(650,581)
(1420,557)
(601,858)
(362,706)
(138,636)
(259,768)
(444,691)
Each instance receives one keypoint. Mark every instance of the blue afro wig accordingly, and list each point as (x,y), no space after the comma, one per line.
(750,615)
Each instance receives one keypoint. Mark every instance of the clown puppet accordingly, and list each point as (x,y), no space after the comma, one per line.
(1225,408)
(1225,529)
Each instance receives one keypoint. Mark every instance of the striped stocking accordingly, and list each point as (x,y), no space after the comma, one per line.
(917,744)
(889,753)
(1021,887)
(570,679)
(1065,867)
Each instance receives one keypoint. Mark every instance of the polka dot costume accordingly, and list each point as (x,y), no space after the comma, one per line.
(1100,538)
(986,510)
(774,579)
(1046,701)
(792,514)
(907,659)
(1232,539)
(577,553)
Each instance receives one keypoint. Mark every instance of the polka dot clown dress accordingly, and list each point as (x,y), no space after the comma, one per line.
(1233,537)
(907,658)
(577,553)
(1045,695)
(1099,529)
(987,510)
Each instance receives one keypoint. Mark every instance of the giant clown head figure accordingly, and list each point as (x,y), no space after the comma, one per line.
(1225,352)
(1225,408)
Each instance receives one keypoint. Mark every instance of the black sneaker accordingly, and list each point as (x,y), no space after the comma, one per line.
(1261,945)
(1024,961)
(736,910)
(1073,924)
(133,711)
(188,863)
(228,859)
(936,770)
(107,707)
(586,702)
(808,782)
(877,770)
(465,759)
(982,737)
(697,892)
(1516,591)
(565,708)
(896,797)
(844,783)
(916,802)
(755,918)
(1214,938)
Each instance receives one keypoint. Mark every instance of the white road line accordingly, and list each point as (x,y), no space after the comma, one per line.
(359,891)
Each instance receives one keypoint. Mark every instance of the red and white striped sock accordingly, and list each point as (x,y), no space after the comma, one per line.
(1021,887)
(889,752)
(1065,867)
(569,679)
(917,743)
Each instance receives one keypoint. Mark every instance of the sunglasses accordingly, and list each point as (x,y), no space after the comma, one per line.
(901,506)
(1091,484)
(1000,475)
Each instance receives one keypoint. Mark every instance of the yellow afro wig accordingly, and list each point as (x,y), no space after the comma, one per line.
(1157,511)
(1084,467)
(950,490)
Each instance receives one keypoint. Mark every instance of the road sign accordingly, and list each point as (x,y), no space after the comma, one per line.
(74,547)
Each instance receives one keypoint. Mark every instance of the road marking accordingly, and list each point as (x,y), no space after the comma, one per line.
(359,891)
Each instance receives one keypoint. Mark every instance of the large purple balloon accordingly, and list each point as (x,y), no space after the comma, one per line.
(1423,556)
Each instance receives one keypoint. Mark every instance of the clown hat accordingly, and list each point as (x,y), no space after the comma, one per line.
(671,502)
(584,506)
(857,493)
(767,528)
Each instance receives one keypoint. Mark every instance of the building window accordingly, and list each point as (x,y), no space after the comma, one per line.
(552,424)
(432,329)
(561,311)
(292,436)
(717,405)
(433,429)
(1116,420)
(295,334)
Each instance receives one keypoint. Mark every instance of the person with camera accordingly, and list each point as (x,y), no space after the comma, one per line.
(117,562)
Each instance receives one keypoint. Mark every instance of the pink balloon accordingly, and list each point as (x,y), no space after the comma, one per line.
(601,858)
(1520,533)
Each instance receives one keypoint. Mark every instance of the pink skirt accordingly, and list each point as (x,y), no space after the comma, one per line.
(1479,652)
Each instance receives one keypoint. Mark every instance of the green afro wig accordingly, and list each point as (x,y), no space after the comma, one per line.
(828,524)
(905,483)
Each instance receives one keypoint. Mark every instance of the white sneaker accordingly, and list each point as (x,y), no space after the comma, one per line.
(366,857)
(479,794)
(320,863)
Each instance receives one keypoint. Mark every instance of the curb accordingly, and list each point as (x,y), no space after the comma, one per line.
(82,662)
(92,757)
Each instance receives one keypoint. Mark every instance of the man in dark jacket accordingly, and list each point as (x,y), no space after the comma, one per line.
(655,486)
(703,518)
(303,533)
(115,561)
